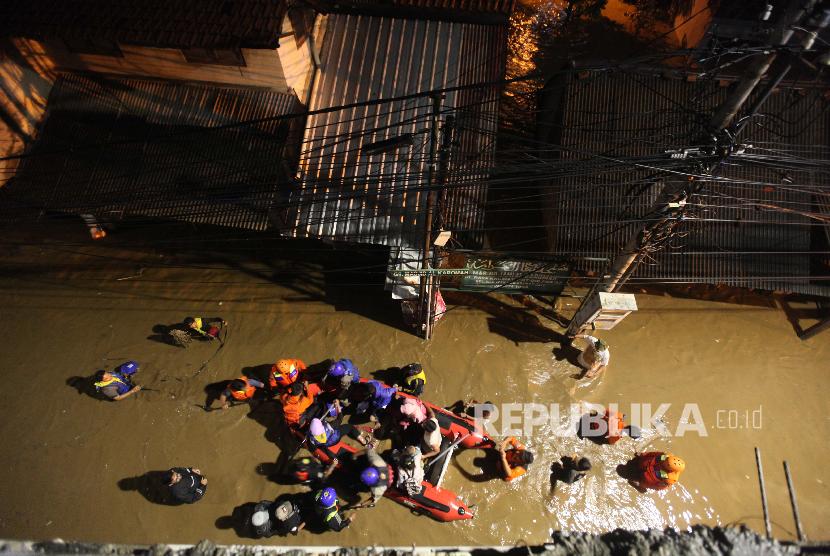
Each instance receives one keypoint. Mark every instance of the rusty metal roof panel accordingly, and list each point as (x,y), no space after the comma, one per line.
(160,149)
(624,122)
(462,11)
(350,195)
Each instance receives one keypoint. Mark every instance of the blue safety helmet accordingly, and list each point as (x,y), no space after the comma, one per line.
(326,498)
(128,368)
(369,476)
(337,369)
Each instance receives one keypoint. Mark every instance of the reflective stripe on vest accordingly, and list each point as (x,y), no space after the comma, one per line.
(410,380)
(198,322)
(123,387)
(245,394)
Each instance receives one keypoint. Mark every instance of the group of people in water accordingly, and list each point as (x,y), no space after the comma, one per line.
(315,404)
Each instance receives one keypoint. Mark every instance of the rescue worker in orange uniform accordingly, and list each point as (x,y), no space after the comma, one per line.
(241,389)
(615,424)
(514,460)
(656,470)
(285,372)
(297,400)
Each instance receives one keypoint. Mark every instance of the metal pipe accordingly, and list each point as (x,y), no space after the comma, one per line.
(767,526)
(794,504)
(455,443)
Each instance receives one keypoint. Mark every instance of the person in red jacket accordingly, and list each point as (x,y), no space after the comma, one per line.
(655,470)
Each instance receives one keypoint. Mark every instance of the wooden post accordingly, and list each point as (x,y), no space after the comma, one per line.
(820,326)
(767,526)
(794,504)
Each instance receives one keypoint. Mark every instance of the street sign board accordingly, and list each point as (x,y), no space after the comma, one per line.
(429,271)
(509,275)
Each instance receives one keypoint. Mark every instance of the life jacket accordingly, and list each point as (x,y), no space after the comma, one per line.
(294,406)
(411,385)
(615,427)
(120,382)
(245,394)
(332,436)
(326,514)
(513,455)
(307,470)
(651,476)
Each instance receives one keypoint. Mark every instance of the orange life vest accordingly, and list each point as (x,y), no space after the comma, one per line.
(615,426)
(294,406)
(513,454)
(246,394)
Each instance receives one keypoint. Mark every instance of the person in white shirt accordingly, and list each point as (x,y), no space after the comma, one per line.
(595,357)
(431,443)
(410,471)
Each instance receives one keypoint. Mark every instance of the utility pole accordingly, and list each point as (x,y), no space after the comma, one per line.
(780,36)
(667,210)
(424,300)
(440,215)
(665,215)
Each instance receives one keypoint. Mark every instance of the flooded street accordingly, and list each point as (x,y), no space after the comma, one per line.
(67,459)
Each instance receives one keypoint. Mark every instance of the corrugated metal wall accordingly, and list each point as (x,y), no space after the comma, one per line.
(628,118)
(141,147)
(351,196)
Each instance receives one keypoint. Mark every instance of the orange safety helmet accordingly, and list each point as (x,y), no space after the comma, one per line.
(285,371)
(673,464)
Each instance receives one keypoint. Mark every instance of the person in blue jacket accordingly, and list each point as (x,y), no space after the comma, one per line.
(117,385)
(372,397)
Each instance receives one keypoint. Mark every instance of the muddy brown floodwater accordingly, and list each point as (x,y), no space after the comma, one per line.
(64,453)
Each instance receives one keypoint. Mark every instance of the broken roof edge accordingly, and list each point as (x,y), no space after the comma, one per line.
(498,12)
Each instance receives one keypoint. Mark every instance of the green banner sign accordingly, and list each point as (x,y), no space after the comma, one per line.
(510,275)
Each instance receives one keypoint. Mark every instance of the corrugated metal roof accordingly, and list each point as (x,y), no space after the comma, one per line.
(462,11)
(140,146)
(352,196)
(636,117)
